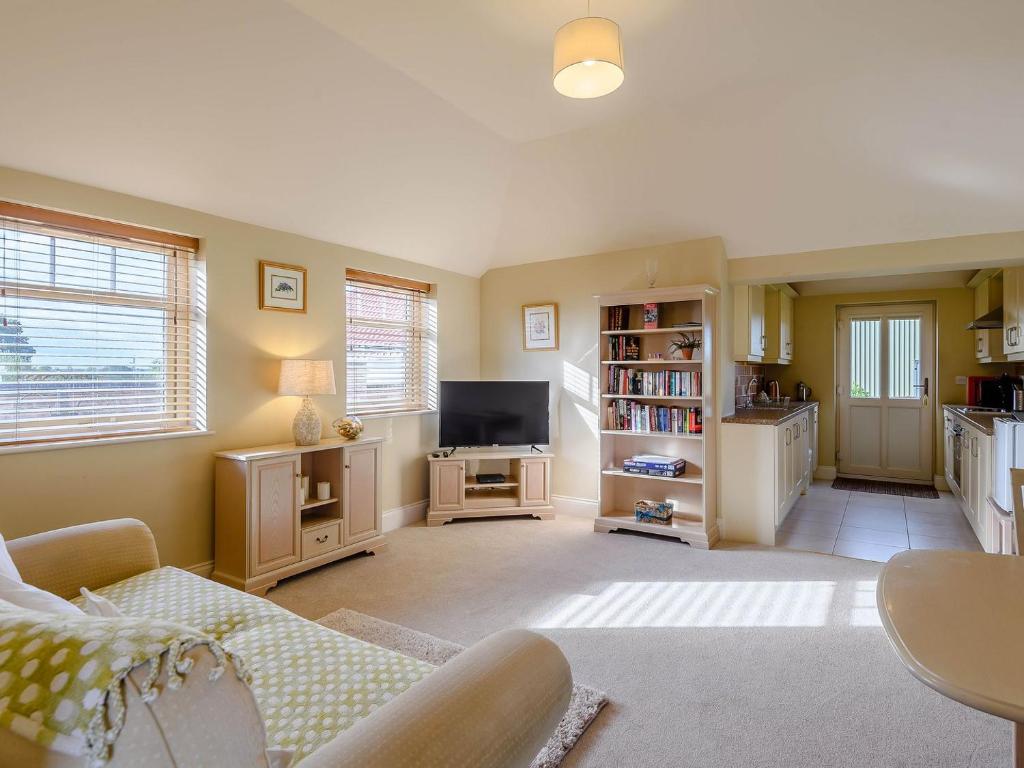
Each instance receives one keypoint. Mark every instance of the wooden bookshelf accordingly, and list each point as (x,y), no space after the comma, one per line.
(694,492)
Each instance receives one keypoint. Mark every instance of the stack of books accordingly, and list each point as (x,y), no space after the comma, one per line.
(624,348)
(618,318)
(635,381)
(653,464)
(632,416)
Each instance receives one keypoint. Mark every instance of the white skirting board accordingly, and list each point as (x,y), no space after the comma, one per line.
(571,505)
(825,473)
(399,517)
(201,569)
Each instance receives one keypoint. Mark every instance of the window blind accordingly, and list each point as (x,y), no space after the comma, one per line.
(102,329)
(391,350)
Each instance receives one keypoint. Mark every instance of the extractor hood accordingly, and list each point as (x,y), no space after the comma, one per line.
(988,321)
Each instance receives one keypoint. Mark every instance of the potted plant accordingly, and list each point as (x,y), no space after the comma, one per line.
(684,347)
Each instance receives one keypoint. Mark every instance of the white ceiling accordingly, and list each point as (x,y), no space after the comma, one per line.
(430,131)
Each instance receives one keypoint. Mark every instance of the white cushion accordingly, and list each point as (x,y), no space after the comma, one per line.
(7,566)
(26,596)
(97,605)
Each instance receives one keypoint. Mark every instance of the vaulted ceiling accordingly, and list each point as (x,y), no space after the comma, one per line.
(430,131)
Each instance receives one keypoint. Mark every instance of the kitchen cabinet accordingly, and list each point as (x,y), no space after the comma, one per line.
(748,323)
(1013,310)
(778,324)
(776,461)
(948,423)
(988,296)
(975,479)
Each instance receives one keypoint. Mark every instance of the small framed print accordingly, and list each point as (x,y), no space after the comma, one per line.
(282,287)
(540,327)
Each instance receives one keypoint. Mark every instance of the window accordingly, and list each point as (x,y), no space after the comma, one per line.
(391,347)
(865,346)
(102,329)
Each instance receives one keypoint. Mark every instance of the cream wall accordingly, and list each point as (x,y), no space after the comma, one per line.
(572,370)
(168,483)
(814,343)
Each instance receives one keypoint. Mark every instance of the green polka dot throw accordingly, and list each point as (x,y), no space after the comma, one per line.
(62,676)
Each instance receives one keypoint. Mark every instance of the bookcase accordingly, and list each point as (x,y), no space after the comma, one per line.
(658,404)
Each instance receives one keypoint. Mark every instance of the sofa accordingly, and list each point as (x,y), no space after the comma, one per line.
(300,693)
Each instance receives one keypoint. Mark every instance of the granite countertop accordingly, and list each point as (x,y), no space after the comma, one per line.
(768,416)
(983,420)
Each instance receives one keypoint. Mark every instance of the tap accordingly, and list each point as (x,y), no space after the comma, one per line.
(753,388)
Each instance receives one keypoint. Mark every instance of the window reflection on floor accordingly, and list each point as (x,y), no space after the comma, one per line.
(634,604)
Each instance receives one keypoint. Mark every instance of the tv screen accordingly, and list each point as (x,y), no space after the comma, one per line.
(474,413)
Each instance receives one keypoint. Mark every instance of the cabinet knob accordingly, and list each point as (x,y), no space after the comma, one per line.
(322,539)
(348,467)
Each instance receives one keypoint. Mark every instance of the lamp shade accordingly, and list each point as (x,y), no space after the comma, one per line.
(588,58)
(306,377)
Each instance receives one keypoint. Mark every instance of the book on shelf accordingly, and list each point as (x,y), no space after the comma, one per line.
(632,416)
(650,316)
(624,348)
(653,472)
(653,461)
(618,318)
(636,381)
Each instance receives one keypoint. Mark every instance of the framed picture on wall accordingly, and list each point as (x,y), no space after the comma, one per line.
(540,327)
(282,287)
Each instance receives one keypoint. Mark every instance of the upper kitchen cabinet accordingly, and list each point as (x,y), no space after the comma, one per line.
(1013,312)
(988,313)
(748,323)
(778,324)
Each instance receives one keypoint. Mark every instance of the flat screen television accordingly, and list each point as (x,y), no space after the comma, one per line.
(476,413)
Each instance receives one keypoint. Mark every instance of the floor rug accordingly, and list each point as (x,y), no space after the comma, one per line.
(584,704)
(884,487)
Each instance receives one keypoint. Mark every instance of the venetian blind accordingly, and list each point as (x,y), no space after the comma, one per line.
(102,329)
(391,351)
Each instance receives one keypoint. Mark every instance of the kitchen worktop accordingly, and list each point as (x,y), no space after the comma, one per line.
(983,420)
(768,416)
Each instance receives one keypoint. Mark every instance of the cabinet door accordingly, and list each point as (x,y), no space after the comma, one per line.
(447,485)
(534,483)
(814,441)
(274,512)
(797,464)
(981,345)
(785,326)
(757,329)
(981,489)
(783,454)
(360,492)
(1011,310)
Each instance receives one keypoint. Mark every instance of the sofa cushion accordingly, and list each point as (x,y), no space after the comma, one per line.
(310,682)
(32,598)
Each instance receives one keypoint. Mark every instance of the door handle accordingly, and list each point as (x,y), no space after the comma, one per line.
(922,386)
(789,436)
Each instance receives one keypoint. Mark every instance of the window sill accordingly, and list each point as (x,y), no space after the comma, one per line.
(32,448)
(392,414)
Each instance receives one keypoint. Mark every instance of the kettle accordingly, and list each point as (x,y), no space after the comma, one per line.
(774,391)
(803,392)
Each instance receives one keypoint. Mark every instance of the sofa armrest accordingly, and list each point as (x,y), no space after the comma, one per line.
(92,555)
(495,704)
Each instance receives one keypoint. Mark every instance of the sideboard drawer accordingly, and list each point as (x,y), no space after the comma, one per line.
(316,541)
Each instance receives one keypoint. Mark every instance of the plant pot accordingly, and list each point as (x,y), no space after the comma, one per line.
(686,353)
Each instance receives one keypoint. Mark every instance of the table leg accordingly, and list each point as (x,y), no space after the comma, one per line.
(1018,745)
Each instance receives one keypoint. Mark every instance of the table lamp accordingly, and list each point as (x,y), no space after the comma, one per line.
(305,378)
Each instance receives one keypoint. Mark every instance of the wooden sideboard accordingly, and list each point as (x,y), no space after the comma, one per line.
(264,530)
(455,491)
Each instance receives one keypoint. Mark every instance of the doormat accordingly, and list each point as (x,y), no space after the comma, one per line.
(886,488)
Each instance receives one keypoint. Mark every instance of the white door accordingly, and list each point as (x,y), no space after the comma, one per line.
(886,377)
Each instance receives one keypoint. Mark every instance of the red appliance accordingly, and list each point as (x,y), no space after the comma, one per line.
(974,389)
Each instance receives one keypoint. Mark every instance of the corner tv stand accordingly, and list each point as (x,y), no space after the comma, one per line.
(455,492)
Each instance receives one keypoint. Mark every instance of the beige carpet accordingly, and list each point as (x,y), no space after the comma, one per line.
(584,704)
(733,657)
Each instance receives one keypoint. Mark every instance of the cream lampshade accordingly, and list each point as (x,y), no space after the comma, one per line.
(588,58)
(305,378)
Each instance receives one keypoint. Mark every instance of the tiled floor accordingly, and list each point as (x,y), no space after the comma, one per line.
(873,526)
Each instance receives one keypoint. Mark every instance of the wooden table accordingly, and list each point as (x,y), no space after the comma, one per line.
(956,620)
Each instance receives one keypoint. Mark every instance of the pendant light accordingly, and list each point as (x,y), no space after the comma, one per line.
(588,58)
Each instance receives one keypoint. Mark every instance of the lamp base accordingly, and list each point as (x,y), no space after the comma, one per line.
(307,427)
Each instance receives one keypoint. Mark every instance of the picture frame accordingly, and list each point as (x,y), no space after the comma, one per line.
(282,287)
(540,327)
